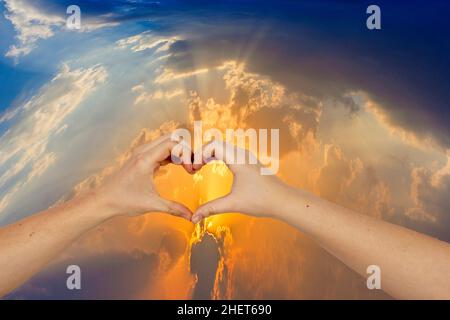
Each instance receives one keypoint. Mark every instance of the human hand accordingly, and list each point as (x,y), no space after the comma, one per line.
(132,191)
(251,192)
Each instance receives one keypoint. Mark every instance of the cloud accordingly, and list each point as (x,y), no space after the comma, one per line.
(366,79)
(38,20)
(31,24)
(146,40)
(263,259)
(111,275)
(429,191)
(144,136)
(145,97)
(278,79)
(368,186)
(24,148)
(9,114)
(351,183)
(122,259)
(304,53)
(417,139)
(255,101)
(168,75)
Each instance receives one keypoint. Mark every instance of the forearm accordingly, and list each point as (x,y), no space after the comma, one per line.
(28,245)
(412,265)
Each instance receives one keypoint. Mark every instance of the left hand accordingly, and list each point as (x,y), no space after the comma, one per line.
(132,191)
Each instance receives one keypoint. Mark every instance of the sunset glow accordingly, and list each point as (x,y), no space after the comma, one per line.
(362,118)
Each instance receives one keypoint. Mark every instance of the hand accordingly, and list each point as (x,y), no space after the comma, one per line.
(251,192)
(132,191)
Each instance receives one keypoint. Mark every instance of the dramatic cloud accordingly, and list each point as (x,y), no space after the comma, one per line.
(360,125)
(146,135)
(109,274)
(31,24)
(146,40)
(254,101)
(24,149)
(351,183)
(145,97)
(314,60)
(33,21)
(430,190)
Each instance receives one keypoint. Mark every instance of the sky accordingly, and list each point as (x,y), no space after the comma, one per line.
(363,118)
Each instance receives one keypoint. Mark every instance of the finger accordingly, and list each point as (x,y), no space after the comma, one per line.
(173,208)
(219,205)
(146,146)
(160,153)
(233,156)
(165,162)
(182,154)
(187,163)
(213,150)
(197,159)
(222,151)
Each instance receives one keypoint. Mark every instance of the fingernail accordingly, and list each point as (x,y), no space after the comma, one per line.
(196,219)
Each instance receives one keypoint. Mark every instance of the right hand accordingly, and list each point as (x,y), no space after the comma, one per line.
(251,193)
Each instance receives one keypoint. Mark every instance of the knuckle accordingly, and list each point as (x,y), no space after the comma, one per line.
(171,208)
(209,210)
(139,160)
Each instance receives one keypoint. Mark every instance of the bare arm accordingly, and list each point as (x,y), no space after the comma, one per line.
(27,246)
(413,265)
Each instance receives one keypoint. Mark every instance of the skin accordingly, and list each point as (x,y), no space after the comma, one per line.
(27,246)
(413,265)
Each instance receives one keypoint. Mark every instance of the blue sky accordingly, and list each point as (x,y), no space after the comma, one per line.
(404,65)
(364,114)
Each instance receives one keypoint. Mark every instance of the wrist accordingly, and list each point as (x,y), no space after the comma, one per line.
(288,200)
(98,205)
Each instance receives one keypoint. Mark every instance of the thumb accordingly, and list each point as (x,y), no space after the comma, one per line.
(219,205)
(174,208)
